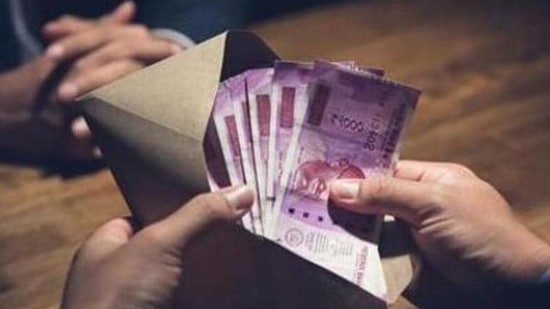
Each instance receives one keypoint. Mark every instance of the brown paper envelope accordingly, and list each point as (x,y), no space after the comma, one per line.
(150,127)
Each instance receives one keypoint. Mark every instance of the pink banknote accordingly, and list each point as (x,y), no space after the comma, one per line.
(237,89)
(258,85)
(351,129)
(226,127)
(289,99)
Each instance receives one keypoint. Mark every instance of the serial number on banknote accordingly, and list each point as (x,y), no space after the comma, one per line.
(370,129)
(347,123)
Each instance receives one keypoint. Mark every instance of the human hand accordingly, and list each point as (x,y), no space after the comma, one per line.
(93,53)
(117,268)
(70,24)
(462,226)
(103,50)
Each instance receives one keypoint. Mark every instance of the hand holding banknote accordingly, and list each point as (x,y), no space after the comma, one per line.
(116,268)
(463,227)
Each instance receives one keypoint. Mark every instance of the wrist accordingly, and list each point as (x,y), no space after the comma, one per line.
(531,258)
(19,88)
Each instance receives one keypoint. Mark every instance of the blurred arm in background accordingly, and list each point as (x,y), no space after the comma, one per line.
(56,51)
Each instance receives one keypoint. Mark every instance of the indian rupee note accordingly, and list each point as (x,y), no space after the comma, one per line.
(351,129)
(237,90)
(288,102)
(226,129)
(258,83)
(289,98)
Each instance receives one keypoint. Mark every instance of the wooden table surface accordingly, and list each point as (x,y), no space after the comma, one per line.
(485,73)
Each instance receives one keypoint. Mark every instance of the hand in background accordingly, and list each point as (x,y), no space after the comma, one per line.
(462,226)
(101,51)
(93,53)
(117,268)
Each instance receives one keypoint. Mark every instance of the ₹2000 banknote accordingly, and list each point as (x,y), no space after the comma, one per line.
(226,127)
(258,86)
(350,130)
(289,131)
(289,98)
(237,89)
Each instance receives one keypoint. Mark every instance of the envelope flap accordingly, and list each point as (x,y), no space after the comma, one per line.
(176,93)
(158,117)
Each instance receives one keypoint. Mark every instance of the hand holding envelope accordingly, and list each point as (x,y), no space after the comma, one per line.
(108,271)
(157,134)
(332,121)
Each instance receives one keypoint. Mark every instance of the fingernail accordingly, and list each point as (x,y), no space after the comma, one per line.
(345,189)
(67,92)
(55,52)
(80,128)
(240,198)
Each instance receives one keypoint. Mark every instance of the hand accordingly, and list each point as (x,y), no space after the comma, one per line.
(101,51)
(94,52)
(462,226)
(69,24)
(117,268)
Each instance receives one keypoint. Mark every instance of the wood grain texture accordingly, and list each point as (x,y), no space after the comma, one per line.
(484,69)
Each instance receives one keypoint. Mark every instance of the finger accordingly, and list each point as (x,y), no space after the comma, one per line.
(405,199)
(77,149)
(80,129)
(84,82)
(202,211)
(122,14)
(80,43)
(146,50)
(428,171)
(64,26)
(86,41)
(69,24)
(96,153)
(104,241)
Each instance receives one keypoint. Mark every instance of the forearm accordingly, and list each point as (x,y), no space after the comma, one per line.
(19,88)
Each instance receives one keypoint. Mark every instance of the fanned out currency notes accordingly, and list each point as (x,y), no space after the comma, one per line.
(288,131)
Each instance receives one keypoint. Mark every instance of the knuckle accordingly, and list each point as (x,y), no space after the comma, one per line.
(374,190)
(121,49)
(150,233)
(208,206)
(105,31)
(438,195)
(460,170)
(381,188)
(80,66)
(109,31)
(150,236)
(139,30)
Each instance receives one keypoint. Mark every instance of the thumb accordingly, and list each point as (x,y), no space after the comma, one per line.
(406,199)
(202,211)
(122,14)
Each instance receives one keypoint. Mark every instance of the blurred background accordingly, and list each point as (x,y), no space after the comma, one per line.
(483,67)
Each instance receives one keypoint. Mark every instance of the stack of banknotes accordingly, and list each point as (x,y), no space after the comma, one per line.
(288,131)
